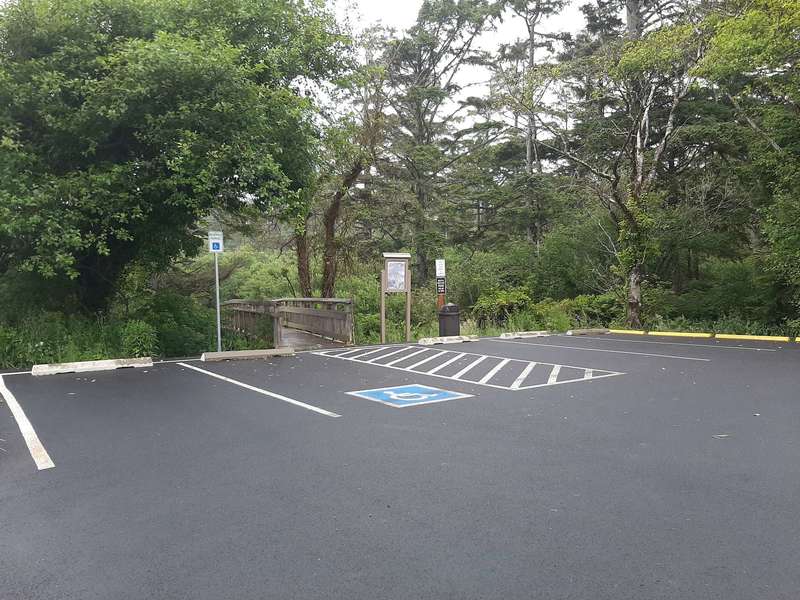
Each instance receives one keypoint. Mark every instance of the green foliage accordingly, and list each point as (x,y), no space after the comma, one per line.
(497,306)
(124,123)
(599,310)
(45,337)
(741,289)
(139,339)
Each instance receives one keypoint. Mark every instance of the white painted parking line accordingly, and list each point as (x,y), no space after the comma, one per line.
(253,388)
(424,360)
(499,341)
(522,376)
(446,363)
(356,351)
(373,351)
(469,367)
(406,357)
(704,346)
(387,355)
(495,370)
(35,446)
(502,370)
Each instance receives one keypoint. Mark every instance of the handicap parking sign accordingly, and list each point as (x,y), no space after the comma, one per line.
(409,395)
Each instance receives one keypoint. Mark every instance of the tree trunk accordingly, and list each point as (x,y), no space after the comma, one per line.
(422,263)
(329,220)
(635,297)
(303,262)
(633,19)
(329,254)
(534,227)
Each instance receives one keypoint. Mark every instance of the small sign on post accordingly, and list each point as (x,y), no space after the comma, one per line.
(216,245)
(441,284)
(215,242)
(395,278)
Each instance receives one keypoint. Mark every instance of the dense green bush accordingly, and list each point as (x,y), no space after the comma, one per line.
(139,339)
(46,337)
(184,326)
(740,289)
(599,310)
(497,306)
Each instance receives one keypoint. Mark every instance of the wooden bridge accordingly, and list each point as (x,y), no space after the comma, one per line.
(301,323)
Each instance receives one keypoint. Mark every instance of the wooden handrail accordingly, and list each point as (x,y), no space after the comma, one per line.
(330,318)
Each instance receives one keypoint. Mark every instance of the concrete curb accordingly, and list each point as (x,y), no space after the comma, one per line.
(513,335)
(628,331)
(245,354)
(90,365)
(706,335)
(757,338)
(448,339)
(687,334)
(597,331)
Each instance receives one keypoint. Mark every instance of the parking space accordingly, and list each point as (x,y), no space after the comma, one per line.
(482,369)
(558,467)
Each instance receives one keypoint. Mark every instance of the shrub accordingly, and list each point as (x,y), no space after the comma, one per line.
(184,326)
(551,315)
(139,339)
(496,307)
(594,310)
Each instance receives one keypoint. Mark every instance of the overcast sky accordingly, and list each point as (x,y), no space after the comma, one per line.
(401,14)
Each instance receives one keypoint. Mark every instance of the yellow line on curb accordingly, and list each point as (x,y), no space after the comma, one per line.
(762,338)
(628,331)
(695,334)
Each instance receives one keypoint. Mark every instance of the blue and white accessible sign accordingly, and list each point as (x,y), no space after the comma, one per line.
(215,242)
(409,395)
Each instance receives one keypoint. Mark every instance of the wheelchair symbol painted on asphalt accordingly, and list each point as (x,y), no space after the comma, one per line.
(409,395)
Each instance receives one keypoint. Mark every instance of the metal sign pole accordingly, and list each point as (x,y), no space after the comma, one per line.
(219,321)
(216,245)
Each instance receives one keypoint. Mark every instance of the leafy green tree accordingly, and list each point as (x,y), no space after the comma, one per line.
(124,123)
(754,58)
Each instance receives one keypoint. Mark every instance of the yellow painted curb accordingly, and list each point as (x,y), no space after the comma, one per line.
(628,331)
(681,334)
(761,338)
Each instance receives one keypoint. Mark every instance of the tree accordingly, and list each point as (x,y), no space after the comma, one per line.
(422,89)
(753,57)
(124,124)
(528,93)
(624,129)
(352,132)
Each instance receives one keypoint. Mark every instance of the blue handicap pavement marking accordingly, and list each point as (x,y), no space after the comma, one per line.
(409,395)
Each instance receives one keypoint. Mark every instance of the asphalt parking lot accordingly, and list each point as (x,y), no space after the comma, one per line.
(583,468)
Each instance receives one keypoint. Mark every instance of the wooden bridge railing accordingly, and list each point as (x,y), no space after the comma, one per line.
(325,318)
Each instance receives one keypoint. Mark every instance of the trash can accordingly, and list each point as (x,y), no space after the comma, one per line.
(448,320)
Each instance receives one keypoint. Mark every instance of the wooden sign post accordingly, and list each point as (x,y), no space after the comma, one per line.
(395,278)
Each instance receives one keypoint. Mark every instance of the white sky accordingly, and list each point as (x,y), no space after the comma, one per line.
(401,14)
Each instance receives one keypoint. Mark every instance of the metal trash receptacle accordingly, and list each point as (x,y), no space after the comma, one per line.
(449,323)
